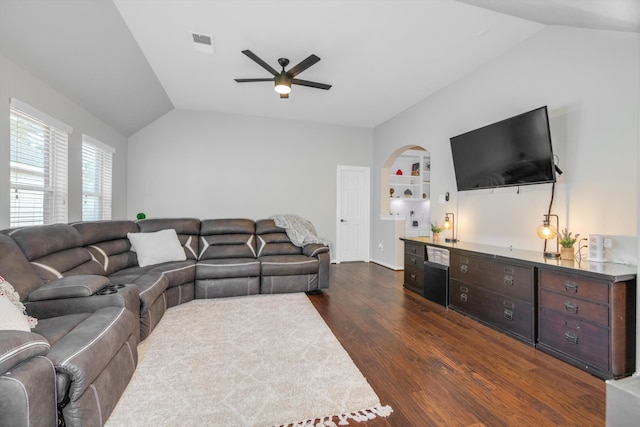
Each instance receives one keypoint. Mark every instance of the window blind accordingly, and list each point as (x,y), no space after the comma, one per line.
(97,165)
(38,167)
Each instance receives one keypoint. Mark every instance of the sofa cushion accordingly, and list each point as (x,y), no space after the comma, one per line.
(157,247)
(81,355)
(55,251)
(54,328)
(273,240)
(150,287)
(227,268)
(227,238)
(15,268)
(108,244)
(285,265)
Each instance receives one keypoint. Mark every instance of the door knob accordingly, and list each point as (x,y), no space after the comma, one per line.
(343,220)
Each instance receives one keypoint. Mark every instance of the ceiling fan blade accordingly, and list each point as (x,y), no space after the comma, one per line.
(311,84)
(294,71)
(253,80)
(284,96)
(260,62)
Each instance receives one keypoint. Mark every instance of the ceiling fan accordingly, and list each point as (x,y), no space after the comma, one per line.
(284,79)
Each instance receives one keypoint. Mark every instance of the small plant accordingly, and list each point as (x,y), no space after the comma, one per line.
(435,228)
(566,240)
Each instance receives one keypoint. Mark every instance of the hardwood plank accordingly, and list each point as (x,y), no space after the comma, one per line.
(436,367)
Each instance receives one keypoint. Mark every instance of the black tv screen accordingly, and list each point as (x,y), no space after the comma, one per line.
(512,152)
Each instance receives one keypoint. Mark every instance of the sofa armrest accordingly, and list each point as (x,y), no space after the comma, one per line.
(314,249)
(69,287)
(122,296)
(18,346)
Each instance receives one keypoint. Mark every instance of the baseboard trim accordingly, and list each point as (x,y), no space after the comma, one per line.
(387,265)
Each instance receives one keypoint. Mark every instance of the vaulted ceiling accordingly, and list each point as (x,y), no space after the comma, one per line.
(131,61)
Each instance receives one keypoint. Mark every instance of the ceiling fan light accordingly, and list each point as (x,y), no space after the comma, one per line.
(283,89)
(283,84)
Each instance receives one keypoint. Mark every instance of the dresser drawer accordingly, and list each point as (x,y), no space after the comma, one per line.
(414,277)
(575,308)
(575,338)
(506,313)
(508,279)
(413,261)
(578,287)
(415,249)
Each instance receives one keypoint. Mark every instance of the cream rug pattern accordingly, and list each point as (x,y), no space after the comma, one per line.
(262,360)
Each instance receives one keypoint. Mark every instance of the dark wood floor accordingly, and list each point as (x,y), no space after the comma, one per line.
(436,367)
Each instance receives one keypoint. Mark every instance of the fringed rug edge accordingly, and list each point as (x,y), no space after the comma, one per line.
(343,419)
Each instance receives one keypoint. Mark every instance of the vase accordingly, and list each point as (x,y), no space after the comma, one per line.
(567,254)
(436,237)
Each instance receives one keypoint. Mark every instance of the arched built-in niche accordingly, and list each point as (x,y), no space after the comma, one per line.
(414,207)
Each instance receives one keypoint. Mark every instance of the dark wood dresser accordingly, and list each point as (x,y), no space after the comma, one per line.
(584,320)
(414,257)
(580,312)
(500,293)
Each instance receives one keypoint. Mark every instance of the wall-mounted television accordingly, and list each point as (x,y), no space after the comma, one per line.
(512,152)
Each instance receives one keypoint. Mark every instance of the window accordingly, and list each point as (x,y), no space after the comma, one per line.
(97,159)
(38,167)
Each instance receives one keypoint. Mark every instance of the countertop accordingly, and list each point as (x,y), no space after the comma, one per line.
(610,270)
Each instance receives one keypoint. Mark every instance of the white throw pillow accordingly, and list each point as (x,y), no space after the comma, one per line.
(12,318)
(157,247)
(8,292)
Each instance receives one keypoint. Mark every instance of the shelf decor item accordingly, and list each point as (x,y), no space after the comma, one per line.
(391,191)
(399,172)
(141,215)
(415,169)
(567,240)
(408,193)
(436,229)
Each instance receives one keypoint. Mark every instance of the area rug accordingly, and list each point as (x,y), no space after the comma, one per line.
(262,360)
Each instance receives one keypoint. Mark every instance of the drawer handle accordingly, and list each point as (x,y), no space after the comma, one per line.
(508,270)
(463,297)
(571,287)
(414,250)
(464,289)
(508,304)
(464,260)
(413,277)
(508,314)
(508,280)
(571,307)
(413,261)
(571,337)
(464,268)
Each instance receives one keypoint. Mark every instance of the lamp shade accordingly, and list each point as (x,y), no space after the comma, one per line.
(447,223)
(547,231)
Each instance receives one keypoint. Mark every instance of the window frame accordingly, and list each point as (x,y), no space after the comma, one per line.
(46,201)
(102,192)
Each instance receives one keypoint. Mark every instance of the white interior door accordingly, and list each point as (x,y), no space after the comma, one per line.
(353,213)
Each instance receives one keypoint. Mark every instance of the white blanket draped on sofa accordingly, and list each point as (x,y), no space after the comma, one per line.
(300,231)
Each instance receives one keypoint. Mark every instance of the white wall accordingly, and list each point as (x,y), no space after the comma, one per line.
(16,82)
(213,165)
(589,80)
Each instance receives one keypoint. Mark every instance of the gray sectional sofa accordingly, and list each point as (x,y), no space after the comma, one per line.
(95,303)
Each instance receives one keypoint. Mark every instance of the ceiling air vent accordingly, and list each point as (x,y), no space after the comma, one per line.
(202,42)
